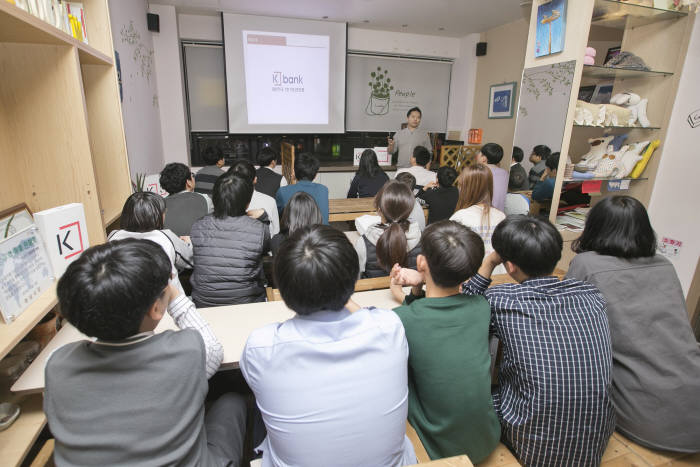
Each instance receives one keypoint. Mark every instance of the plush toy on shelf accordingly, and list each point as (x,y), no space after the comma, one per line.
(642,164)
(589,161)
(636,105)
(589,58)
(629,159)
(589,114)
(608,164)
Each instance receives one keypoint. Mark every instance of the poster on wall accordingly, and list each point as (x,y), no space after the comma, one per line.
(551,28)
(380,90)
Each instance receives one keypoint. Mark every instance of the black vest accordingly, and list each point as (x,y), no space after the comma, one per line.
(268,181)
(372,267)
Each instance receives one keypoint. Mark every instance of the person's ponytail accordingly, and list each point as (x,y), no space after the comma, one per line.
(394,202)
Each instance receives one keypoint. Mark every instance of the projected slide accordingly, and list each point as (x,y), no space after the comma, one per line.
(286,78)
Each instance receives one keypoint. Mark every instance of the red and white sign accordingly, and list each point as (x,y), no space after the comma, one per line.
(152,183)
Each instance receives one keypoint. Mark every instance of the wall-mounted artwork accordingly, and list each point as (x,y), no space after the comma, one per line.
(502,100)
(551,28)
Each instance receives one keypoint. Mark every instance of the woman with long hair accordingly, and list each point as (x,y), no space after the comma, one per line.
(474,208)
(369,177)
(142,217)
(394,240)
(656,359)
(300,211)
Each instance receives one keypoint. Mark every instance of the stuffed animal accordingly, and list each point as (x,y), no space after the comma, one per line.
(642,164)
(629,159)
(636,105)
(609,162)
(617,116)
(589,114)
(589,58)
(589,161)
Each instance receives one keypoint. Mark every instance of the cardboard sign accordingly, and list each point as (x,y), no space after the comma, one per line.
(152,183)
(383,156)
(64,232)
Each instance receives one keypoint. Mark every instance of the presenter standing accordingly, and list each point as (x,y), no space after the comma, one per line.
(408,138)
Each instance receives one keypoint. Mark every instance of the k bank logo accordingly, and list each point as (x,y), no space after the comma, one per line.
(280,79)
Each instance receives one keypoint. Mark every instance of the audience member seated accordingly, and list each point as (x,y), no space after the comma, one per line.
(441,195)
(142,217)
(207,176)
(474,207)
(184,206)
(517,177)
(490,155)
(268,180)
(369,177)
(300,211)
(420,166)
(132,397)
(259,200)
(331,382)
(516,203)
(539,156)
(656,359)
(228,248)
(544,189)
(554,382)
(417,214)
(306,166)
(449,378)
(395,238)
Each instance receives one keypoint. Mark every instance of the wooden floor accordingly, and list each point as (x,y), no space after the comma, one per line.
(620,452)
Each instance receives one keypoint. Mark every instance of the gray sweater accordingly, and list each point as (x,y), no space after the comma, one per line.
(656,359)
(139,403)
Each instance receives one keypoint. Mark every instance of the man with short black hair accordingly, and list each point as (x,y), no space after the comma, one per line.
(408,138)
(517,177)
(207,176)
(420,167)
(538,158)
(554,382)
(132,397)
(183,205)
(331,382)
(491,155)
(269,181)
(259,200)
(306,167)
(544,189)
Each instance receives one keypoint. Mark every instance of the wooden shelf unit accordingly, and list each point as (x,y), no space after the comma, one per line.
(61,141)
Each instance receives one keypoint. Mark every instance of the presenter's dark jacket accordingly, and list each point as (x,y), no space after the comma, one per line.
(268,181)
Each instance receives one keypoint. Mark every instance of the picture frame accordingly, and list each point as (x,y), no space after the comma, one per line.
(550,33)
(502,100)
(602,93)
(15,219)
(612,52)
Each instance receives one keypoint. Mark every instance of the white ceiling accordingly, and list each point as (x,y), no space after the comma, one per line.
(457,18)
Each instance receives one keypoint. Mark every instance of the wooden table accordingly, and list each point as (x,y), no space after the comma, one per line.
(232,325)
(349,209)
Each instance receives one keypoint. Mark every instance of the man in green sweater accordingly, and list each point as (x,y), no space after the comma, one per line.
(449,379)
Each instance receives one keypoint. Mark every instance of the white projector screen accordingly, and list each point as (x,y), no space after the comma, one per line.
(284,75)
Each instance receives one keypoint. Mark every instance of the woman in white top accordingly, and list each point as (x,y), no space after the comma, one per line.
(474,208)
(142,217)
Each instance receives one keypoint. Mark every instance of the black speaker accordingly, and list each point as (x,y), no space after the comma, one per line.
(153,22)
(480,49)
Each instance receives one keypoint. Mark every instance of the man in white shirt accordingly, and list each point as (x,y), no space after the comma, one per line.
(420,167)
(259,200)
(408,138)
(331,383)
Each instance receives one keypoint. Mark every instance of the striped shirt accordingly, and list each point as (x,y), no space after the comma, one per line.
(554,382)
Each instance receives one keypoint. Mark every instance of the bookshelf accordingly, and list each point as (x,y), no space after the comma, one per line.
(660,38)
(61,141)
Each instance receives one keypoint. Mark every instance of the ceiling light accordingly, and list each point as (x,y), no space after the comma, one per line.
(404,25)
(441,29)
(365,21)
(324,17)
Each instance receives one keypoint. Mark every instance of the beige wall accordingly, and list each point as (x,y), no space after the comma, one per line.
(502,63)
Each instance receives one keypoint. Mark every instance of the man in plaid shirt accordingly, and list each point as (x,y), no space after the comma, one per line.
(553,393)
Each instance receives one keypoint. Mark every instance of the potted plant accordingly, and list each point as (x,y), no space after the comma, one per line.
(380,92)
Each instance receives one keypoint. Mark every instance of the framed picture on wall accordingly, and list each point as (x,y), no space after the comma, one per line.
(502,100)
(551,28)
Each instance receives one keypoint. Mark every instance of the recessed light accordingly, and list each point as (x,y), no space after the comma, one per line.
(441,29)
(404,25)
(365,21)
(324,17)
